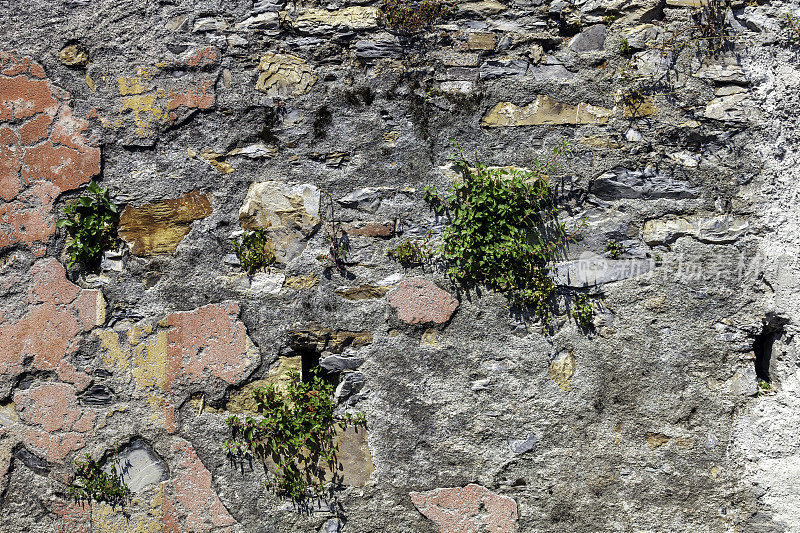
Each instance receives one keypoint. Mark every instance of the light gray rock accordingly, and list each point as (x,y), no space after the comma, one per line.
(520,446)
(366,199)
(140,467)
(500,68)
(592,271)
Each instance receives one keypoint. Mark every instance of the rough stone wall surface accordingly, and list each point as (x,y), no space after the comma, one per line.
(207,117)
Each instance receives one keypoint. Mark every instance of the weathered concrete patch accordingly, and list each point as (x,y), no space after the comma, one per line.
(209,342)
(420,301)
(545,110)
(159,227)
(190,499)
(58,313)
(467,509)
(56,424)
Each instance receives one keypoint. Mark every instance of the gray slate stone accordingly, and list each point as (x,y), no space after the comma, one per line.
(589,40)
(338,363)
(500,68)
(620,182)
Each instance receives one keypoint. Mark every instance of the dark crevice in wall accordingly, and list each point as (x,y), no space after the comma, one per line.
(763,344)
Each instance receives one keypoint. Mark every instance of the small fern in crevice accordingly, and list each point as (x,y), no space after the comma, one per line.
(296,431)
(410,17)
(582,312)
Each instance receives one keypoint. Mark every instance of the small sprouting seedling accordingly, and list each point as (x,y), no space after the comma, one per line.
(254,250)
(335,238)
(91,225)
(608,20)
(794,28)
(582,312)
(92,483)
(764,388)
(410,17)
(614,249)
(625,48)
(433,199)
(657,258)
(411,252)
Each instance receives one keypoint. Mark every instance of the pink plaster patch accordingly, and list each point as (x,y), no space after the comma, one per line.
(470,509)
(420,301)
(210,341)
(49,331)
(36,165)
(56,424)
(195,504)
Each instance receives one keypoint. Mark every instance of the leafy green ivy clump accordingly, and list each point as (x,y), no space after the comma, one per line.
(254,250)
(92,483)
(297,432)
(91,223)
(504,231)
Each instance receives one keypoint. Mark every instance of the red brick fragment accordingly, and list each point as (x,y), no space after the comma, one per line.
(420,301)
(469,509)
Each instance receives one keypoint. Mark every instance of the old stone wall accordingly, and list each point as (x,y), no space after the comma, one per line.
(677,411)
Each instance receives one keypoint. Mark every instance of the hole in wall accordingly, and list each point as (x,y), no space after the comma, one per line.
(763,344)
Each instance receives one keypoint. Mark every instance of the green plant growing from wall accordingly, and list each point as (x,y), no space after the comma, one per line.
(505,231)
(335,239)
(254,250)
(296,432)
(91,224)
(411,252)
(91,483)
(410,17)
(625,48)
(614,249)
(794,28)
(582,312)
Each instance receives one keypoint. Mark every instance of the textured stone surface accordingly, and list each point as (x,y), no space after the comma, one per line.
(420,301)
(284,75)
(158,228)
(469,509)
(717,229)
(654,420)
(290,214)
(545,110)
